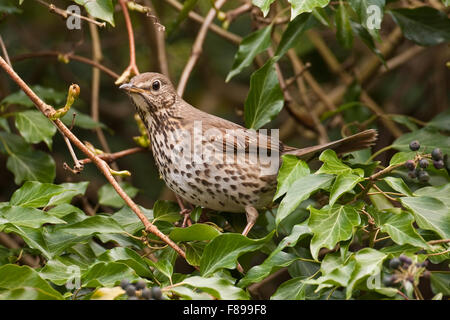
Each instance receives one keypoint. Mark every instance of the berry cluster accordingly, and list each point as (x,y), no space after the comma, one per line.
(405,270)
(418,171)
(139,291)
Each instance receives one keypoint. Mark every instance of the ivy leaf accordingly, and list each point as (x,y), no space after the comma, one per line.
(440,283)
(27,217)
(293,33)
(196,232)
(107,274)
(265,97)
(219,288)
(401,157)
(31,165)
(439,192)
(22,282)
(35,127)
(128,220)
(299,191)
(277,259)
(343,28)
(249,47)
(429,138)
(71,189)
(294,289)
(128,257)
(264,5)
(425,25)
(224,250)
(368,262)
(398,185)
(331,225)
(332,164)
(441,121)
(164,210)
(108,196)
(430,214)
(35,194)
(61,270)
(194,252)
(301,6)
(291,170)
(370,14)
(100,9)
(47,94)
(343,183)
(93,225)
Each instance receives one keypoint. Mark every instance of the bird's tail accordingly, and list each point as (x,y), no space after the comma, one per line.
(355,142)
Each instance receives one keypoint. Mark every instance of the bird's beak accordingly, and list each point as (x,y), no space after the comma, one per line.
(128,87)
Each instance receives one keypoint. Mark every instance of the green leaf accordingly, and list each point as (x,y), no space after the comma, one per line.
(439,192)
(277,259)
(100,9)
(368,262)
(332,164)
(399,227)
(425,25)
(291,170)
(301,6)
(107,274)
(4,125)
(343,183)
(196,232)
(22,282)
(430,214)
(249,47)
(164,210)
(440,283)
(370,14)
(401,157)
(441,121)
(108,196)
(61,271)
(398,185)
(331,225)
(71,189)
(344,31)
(224,250)
(265,97)
(35,194)
(31,165)
(194,252)
(429,139)
(293,33)
(128,257)
(299,191)
(218,287)
(94,225)
(264,5)
(27,217)
(293,289)
(47,94)
(196,214)
(35,127)
(129,221)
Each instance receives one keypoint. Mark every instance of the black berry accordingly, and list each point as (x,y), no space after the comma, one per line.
(147,293)
(405,260)
(410,164)
(423,176)
(436,154)
(140,284)
(423,163)
(389,280)
(414,145)
(438,164)
(156,293)
(395,263)
(412,174)
(124,284)
(130,290)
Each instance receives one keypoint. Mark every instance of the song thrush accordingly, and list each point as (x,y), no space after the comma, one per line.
(212,162)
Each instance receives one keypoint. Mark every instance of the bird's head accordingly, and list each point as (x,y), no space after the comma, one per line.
(150,92)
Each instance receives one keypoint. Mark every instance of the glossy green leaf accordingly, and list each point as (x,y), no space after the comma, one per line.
(440,283)
(439,192)
(401,157)
(164,210)
(249,47)
(264,5)
(265,97)
(224,250)
(343,183)
(425,25)
(441,121)
(128,220)
(430,214)
(61,271)
(128,257)
(299,191)
(108,196)
(196,232)
(194,252)
(398,185)
(35,194)
(35,127)
(107,274)
(22,282)
(370,14)
(71,189)
(100,9)
(217,287)
(331,225)
(332,164)
(429,139)
(344,31)
(293,289)
(27,217)
(93,225)
(291,170)
(293,32)
(301,6)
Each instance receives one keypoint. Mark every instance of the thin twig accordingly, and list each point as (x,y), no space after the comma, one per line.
(5,53)
(439,241)
(48,111)
(109,157)
(197,48)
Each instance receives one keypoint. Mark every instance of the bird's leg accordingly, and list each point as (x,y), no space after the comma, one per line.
(252,215)
(184,212)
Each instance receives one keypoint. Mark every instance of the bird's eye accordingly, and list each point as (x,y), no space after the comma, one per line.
(156,85)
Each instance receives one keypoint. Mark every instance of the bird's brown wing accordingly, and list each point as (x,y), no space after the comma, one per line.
(355,142)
